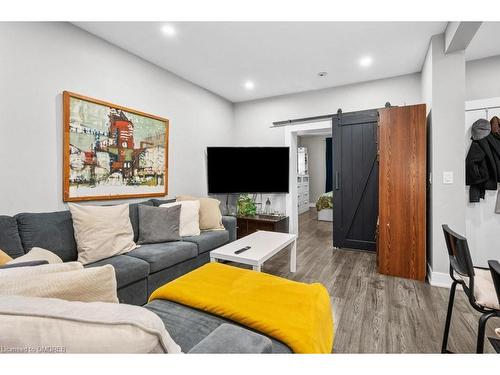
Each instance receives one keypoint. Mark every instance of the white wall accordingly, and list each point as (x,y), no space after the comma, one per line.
(252,120)
(316,153)
(443,86)
(483,78)
(40,60)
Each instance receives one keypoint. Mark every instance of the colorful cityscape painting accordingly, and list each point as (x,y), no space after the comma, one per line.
(112,152)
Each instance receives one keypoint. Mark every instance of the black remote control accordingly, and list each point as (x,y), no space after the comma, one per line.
(242,250)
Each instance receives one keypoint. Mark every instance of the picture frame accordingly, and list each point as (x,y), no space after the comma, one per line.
(111,151)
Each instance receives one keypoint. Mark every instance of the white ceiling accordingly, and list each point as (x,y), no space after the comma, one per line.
(279,57)
(485,43)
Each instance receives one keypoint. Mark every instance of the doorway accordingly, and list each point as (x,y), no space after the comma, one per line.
(314,186)
(293,134)
(355,199)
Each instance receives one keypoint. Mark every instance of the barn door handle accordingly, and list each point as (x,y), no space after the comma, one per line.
(337,180)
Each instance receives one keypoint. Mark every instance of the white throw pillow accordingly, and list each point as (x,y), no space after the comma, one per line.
(86,285)
(102,231)
(37,253)
(30,271)
(190,217)
(53,325)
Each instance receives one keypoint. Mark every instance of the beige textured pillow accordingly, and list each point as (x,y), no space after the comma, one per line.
(189,224)
(210,215)
(86,285)
(28,272)
(4,257)
(101,231)
(37,253)
(77,327)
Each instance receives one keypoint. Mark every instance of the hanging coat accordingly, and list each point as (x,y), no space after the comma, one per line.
(482,167)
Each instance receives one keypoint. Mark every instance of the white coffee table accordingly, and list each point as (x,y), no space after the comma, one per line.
(263,245)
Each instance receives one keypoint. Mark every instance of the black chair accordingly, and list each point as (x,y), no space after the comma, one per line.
(495,275)
(476,282)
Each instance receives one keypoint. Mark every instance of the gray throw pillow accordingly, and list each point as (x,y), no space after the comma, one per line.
(159,224)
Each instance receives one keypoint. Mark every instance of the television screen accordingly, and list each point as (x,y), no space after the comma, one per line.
(247,169)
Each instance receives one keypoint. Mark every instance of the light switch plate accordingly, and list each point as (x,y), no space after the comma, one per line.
(447,177)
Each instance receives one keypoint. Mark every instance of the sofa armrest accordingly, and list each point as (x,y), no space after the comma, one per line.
(229,223)
(228,338)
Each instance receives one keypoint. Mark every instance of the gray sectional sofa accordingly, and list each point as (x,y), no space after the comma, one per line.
(139,272)
(142,270)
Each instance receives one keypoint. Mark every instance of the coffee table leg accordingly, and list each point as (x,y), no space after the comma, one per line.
(213,260)
(293,257)
(256,268)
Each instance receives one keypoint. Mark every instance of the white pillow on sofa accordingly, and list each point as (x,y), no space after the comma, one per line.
(79,327)
(190,217)
(37,253)
(101,231)
(29,271)
(84,284)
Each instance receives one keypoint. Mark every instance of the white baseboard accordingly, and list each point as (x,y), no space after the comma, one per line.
(312,204)
(440,279)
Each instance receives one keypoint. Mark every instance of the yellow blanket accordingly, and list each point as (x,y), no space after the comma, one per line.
(295,313)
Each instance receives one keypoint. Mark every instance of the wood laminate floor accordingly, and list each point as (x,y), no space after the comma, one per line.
(376,313)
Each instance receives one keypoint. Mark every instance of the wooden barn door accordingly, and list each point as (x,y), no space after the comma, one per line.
(355,184)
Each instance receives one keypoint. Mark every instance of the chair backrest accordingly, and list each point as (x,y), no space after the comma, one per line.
(495,275)
(458,251)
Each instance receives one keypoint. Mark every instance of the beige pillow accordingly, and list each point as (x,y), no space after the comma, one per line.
(86,285)
(29,271)
(210,215)
(78,327)
(4,257)
(37,253)
(189,224)
(101,231)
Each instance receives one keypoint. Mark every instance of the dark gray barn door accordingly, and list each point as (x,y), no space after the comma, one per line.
(355,173)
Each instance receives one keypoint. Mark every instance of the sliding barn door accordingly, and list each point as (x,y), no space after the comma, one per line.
(355,179)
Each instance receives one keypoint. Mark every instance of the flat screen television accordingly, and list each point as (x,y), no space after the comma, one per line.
(247,169)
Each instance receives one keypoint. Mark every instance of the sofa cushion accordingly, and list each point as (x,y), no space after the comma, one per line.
(10,241)
(128,270)
(190,217)
(158,224)
(134,216)
(189,326)
(159,202)
(101,231)
(210,214)
(164,255)
(207,241)
(229,338)
(52,231)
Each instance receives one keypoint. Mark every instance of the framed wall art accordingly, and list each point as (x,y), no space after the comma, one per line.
(112,152)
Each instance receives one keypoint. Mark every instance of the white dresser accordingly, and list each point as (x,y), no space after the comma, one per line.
(303,193)
(302,180)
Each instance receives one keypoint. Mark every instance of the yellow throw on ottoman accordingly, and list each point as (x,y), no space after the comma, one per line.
(297,314)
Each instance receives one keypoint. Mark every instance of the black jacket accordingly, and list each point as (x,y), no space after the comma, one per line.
(482,167)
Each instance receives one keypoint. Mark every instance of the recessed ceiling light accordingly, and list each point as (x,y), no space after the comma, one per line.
(249,85)
(168,30)
(322,74)
(366,61)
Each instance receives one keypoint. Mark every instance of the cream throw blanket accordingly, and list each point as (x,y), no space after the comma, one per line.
(41,324)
